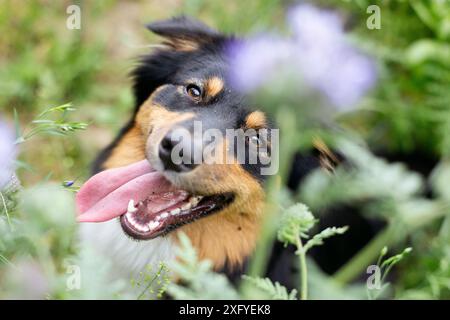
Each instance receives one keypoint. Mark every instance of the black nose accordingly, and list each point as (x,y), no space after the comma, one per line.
(180,161)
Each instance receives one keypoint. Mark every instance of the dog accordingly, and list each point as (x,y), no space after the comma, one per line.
(140,198)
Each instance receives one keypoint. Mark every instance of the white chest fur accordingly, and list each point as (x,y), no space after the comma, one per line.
(128,256)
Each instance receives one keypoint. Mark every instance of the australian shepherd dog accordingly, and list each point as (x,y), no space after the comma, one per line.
(140,197)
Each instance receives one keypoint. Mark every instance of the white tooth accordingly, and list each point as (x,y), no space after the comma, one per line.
(153,224)
(164,215)
(186,206)
(131,207)
(195,200)
(136,225)
(175,211)
(158,218)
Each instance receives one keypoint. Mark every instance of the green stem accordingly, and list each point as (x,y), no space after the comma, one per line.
(396,231)
(268,232)
(6,212)
(303,270)
(148,286)
(6,261)
(366,255)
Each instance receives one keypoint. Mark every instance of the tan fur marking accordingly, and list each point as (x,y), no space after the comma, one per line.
(132,146)
(256,120)
(182,44)
(153,117)
(327,158)
(228,236)
(130,149)
(213,86)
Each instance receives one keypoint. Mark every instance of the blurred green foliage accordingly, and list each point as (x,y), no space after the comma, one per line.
(410,109)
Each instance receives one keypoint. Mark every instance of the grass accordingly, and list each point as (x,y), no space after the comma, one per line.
(42,64)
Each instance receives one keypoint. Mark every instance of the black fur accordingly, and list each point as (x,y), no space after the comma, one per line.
(174,68)
(185,28)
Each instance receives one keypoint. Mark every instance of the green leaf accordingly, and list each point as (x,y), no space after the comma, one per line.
(17,124)
(428,50)
(62,108)
(199,281)
(365,177)
(317,240)
(440,178)
(274,291)
(390,262)
(295,222)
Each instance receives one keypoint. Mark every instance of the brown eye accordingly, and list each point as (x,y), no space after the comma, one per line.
(194,91)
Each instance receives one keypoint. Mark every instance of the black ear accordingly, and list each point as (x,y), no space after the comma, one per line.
(183,33)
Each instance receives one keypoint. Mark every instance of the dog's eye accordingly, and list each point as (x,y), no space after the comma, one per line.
(194,91)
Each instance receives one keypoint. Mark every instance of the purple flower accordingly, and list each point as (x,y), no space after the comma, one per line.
(314,28)
(327,62)
(68,183)
(347,79)
(318,53)
(257,60)
(7,154)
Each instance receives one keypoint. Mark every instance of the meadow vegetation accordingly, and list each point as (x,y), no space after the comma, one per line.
(67,93)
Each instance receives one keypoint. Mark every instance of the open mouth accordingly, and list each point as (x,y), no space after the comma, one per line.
(142,223)
(148,204)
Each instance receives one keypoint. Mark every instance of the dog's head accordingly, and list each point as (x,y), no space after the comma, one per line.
(201,145)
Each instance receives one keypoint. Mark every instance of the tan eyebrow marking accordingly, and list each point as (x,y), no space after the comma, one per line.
(181,44)
(328,160)
(213,86)
(256,120)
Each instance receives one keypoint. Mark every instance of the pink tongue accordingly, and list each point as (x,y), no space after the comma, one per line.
(106,195)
